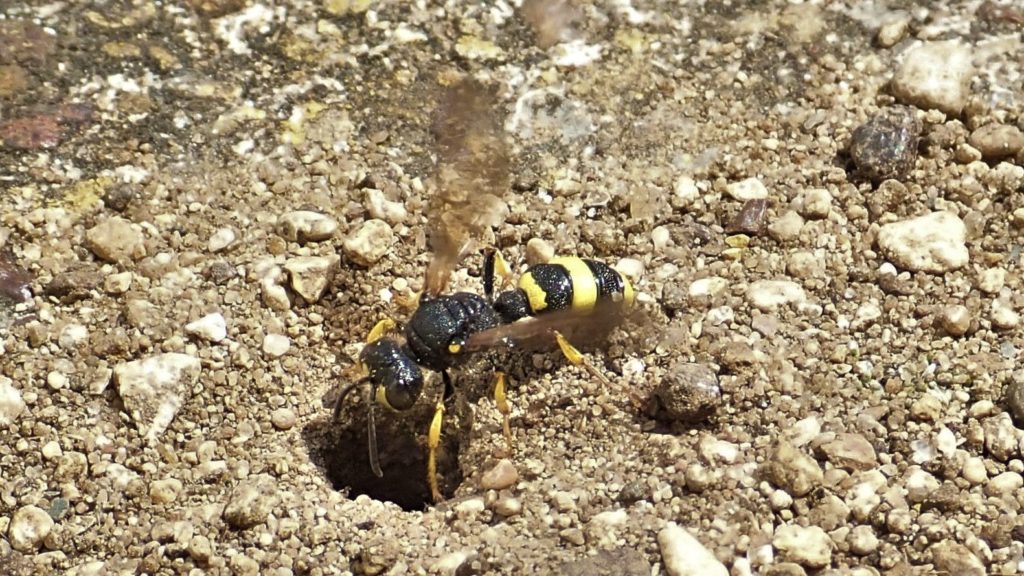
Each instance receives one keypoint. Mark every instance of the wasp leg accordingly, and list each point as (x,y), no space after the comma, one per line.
(494,265)
(433,442)
(381,329)
(576,358)
(501,401)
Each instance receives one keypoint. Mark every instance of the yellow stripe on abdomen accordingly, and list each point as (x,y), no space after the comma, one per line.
(534,293)
(584,285)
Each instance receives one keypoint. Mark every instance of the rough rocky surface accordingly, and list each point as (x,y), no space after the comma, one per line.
(205,206)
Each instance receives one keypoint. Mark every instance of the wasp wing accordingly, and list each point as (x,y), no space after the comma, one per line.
(580,328)
(470,179)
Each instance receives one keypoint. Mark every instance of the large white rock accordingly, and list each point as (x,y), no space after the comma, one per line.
(931,243)
(935,75)
(684,555)
(11,404)
(153,389)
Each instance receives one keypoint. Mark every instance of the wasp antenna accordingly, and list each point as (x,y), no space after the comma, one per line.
(344,392)
(371,435)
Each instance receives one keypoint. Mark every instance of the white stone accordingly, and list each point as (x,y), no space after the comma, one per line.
(935,75)
(370,242)
(306,226)
(931,243)
(769,295)
(309,276)
(686,189)
(116,240)
(212,327)
(1003,484)
(387,210)
(808,546)
(72,335)
(817,203)
(153,389)
(630,268)
(11,404)
(749,189)
(992,280)
(29,526)
(684,555)
(118,283)
(704,288)
(1004,316)
(221,239)
(276,345)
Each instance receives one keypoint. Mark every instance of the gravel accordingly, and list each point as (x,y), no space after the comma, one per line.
(205,211)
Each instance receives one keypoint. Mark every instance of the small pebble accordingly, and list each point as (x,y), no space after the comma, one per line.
(688,393)
(221,239)
(1014,395)
(927,408)
(792,470)
(684,555)
(539,251)
(787,226)
(212,327)
(200,549)
(932,243)
(309,276)
(955,319)
(769,295)
(893,29)
(250,502)
(851,451)
(306,226)
(1004,484)
(1004,317)
(631,268)
(817,204)
(369,243)
(935,75)
(501,476)
(56,380)
(997,141)
(29,526)
(381,208)
(808,546)
(118,283)
(508,506)
(152,389)
(750,219)
(282,418)
(165,491)
(862,540)
(974,470)
(276,345)
(660,237)
(951,557)
(886,145)
(52,450)
(749,189)
(116,240)
(992,280)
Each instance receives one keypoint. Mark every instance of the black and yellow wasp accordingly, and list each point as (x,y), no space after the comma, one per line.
(470,178)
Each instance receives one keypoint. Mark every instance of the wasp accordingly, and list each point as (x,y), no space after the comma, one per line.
(445,330)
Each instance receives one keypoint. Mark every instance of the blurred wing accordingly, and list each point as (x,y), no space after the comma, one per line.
(581,329)
(470,179)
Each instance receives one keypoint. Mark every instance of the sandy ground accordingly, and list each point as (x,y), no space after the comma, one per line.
(206,205)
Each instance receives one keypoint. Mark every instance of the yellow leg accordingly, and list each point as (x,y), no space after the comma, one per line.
(501,401)
(576,357)
(381,329)
(433,442)
(501,268)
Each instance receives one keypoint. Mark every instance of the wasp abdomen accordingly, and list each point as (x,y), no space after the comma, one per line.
(569,281)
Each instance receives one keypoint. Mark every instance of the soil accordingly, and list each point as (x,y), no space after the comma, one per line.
(205,206)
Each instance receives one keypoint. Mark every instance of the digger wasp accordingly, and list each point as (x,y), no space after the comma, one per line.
(446,329)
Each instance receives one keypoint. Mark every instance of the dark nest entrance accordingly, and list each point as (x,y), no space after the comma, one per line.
(401,441)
